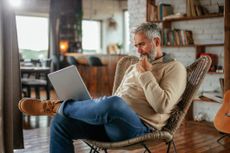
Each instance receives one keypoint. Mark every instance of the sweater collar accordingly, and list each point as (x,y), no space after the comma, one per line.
(164,59)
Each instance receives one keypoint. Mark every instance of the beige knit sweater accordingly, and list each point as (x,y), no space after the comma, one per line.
(152,95)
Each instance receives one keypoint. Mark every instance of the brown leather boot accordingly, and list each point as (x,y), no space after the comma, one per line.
(38,107)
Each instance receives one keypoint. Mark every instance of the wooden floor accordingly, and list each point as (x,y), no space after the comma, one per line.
(191,137)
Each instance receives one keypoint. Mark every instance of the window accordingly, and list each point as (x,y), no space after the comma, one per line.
(91,36)
(32,36)
(127,32)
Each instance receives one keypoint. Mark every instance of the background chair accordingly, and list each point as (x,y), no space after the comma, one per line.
(36,62)
(72,60)
(195,74)
(94,61)
(38,80)
(37,84)
(46,62)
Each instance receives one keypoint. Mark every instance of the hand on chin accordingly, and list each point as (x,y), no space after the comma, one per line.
(143,64)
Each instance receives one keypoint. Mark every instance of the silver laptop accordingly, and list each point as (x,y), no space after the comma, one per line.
(68,84)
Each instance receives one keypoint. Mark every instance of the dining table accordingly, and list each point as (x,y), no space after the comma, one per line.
(35,70)
(35,77)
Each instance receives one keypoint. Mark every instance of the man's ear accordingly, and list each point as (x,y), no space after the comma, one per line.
(157,41)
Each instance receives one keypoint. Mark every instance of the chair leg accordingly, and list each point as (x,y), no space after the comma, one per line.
(95,150)
(37,92)
(222,137)
(169,145)
(47,92)
(92,149)
(174,147)
(29,92)
(24,92)
(146,148)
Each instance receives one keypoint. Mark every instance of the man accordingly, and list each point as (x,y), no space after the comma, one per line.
(148,92)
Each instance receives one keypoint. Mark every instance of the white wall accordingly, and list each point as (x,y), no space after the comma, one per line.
(103,10)
(34,7)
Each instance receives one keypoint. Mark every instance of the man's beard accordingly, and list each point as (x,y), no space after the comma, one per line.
(150,56)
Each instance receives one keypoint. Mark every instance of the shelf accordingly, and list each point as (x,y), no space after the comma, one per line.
(215,72)
(210,45)
(214,15)
(173,46)
(205,99)
(196,45)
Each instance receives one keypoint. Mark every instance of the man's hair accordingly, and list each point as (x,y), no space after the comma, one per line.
(151,30)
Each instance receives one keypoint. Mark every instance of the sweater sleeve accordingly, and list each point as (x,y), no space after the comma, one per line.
(163,96)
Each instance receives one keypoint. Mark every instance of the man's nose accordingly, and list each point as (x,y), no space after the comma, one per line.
(139,50)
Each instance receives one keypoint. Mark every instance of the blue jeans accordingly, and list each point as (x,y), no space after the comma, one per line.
(104,119)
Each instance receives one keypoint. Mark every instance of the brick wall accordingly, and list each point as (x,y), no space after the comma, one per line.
(137,15)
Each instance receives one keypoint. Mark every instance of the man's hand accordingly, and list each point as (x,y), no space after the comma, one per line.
(144,65)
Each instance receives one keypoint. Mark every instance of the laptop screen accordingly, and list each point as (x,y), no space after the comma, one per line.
(68,84)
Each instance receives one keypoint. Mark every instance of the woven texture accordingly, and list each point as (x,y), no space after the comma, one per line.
(195,75)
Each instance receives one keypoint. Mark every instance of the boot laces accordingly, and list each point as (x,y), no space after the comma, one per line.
(48,106)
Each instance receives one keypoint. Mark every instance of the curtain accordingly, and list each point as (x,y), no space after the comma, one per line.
(11,135)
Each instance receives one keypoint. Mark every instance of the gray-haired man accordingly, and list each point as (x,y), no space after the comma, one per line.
(148,92)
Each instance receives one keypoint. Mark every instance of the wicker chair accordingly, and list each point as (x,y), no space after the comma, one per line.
(195,72)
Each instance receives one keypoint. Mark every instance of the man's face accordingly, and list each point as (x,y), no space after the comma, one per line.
(145,47)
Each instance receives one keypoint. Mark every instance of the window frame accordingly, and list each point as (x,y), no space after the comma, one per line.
(35,16)
(101,34)
(126,41)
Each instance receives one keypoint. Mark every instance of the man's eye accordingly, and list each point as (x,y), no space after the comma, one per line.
(139,45)
(142,44)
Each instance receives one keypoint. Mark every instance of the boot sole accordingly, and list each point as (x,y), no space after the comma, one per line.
(20,106)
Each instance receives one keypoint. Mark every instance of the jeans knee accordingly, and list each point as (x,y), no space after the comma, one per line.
(59,122)
(116,103)
(55,122)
